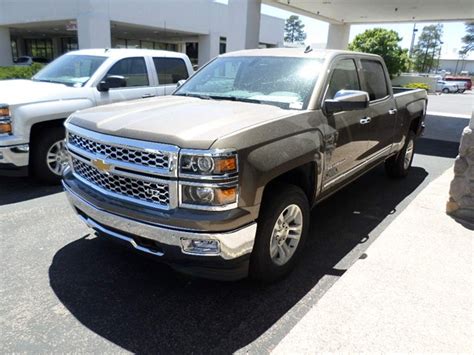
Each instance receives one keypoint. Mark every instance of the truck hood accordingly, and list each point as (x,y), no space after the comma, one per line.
(183,121)
(18,92)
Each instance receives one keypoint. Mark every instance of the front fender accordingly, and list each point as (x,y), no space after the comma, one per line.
(273,159)
(26,115)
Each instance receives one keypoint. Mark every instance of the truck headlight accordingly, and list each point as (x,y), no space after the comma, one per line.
(210,163)
(205,196)
(5,119)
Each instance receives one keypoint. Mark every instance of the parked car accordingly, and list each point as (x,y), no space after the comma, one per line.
(33,111)
(218,179)
(464,82)
(446,86)
(27,60)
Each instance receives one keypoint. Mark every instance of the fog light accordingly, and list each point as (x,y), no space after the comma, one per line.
(200,247)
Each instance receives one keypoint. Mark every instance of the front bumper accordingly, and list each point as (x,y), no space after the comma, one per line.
(230,263)
(14,160)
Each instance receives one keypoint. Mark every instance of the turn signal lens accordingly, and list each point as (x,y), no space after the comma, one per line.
(4,111)
(5,127)
(226,196)
(225,165)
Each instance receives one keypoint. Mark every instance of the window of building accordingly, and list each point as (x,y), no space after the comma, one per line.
(14,49)
(344,77)
(166,46)
(133,43)
(133,70)
(119,43)
(192,51)
(374,79)
(170,70)
(147,44)
(68,44)
(222,45)
(39,48)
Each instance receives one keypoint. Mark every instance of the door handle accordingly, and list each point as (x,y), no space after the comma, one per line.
(365,120)
(147,95)
(392,111)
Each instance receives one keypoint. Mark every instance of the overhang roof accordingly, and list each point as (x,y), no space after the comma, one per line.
(379,11)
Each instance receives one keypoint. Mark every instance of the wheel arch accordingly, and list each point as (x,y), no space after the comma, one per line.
(296,160)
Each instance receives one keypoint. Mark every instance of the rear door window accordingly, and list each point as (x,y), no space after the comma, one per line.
(133,70)
(374,79)
(170,70)
(344,77)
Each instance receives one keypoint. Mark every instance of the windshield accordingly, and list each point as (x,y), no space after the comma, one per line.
(71,70)
(283,81)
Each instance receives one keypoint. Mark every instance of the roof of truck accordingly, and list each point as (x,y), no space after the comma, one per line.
(127,52)
(293,52)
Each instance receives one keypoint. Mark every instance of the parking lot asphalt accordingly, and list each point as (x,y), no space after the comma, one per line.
(65,290)
(457,104)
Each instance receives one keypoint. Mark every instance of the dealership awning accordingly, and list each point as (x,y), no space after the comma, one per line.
(340,14)
(379,11)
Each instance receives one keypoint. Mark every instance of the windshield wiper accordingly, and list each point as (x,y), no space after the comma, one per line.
(199,96)
(235,98)
(49,81)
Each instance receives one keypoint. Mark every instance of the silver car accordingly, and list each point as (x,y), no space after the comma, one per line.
(446,87)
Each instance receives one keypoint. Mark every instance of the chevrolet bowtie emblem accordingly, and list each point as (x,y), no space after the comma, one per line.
(101,165)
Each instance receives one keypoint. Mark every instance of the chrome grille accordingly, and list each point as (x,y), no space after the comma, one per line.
(150,192)
(126,154)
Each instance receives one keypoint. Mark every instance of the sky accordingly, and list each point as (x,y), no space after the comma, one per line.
(317,31)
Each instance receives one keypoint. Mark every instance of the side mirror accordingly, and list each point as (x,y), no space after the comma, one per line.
(347,100)
(110,82)
(180,82)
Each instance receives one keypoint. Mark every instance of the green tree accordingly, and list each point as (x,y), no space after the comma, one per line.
(468,39)
(427,48)
(294,30)
(384,43)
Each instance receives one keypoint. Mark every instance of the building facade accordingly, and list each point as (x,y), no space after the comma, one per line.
(200,28)
(457,66)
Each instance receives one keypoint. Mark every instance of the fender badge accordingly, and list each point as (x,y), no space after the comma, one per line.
(101,165)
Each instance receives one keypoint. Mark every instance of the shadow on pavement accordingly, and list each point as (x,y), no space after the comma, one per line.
(18,189)
(142,306)
(435,147)
(444,128)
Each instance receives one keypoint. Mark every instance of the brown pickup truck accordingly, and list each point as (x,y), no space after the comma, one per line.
(218,179)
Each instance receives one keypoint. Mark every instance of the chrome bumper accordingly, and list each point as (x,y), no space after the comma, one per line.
(233,244)
(15,155)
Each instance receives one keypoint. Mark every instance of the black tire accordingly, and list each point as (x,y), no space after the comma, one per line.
(276,200)
(446,90)
(395,166)
(42,142)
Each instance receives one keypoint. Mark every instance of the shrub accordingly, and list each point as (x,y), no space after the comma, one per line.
(20,72)
(417,86)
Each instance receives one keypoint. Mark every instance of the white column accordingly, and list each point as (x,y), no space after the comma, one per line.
(244,24)
(208,48)
(5,47)
(338,36)
(93,24)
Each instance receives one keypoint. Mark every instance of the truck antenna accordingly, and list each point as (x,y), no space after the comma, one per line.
(308,49)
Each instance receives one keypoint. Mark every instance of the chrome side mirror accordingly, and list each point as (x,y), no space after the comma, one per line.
(180,82)
(347,100)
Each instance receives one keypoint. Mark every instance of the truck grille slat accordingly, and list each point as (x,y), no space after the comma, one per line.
(126,154)
(150,192)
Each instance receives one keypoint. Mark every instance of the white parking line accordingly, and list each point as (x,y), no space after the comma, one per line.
(447,114)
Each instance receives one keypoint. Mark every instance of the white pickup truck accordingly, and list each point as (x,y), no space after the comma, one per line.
(32,112)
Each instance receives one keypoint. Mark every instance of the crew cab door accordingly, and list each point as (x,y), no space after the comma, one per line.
(138,81)
(169,71)
(346,136)
(382,111)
